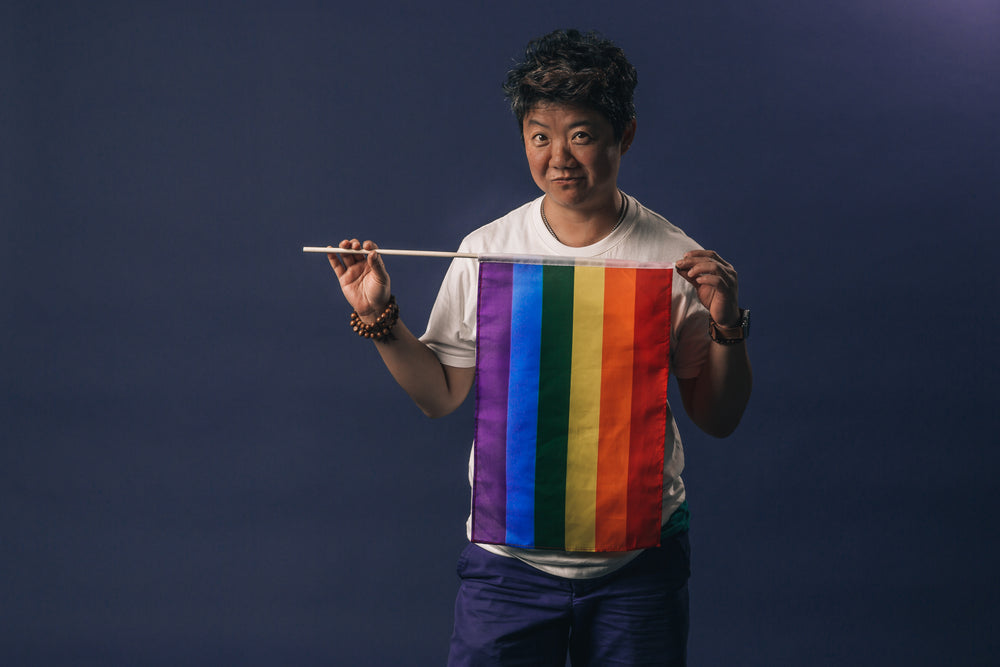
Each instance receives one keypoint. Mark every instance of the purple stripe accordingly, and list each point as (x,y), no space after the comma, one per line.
(492,377)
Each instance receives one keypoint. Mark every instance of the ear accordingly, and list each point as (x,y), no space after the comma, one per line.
(628,136)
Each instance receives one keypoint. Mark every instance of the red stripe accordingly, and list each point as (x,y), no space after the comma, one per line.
(649,400)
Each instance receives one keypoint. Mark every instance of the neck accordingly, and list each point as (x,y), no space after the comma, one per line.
(578,228)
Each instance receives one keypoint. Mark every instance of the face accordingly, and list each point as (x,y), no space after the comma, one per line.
(573,155)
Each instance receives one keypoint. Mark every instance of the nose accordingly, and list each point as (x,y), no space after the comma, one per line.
(562,155)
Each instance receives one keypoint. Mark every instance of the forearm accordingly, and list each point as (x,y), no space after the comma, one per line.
(716,399)
(436,389)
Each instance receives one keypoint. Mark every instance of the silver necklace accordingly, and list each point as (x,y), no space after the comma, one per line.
(622,210)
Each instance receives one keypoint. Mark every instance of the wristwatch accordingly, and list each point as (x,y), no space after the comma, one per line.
(731,335)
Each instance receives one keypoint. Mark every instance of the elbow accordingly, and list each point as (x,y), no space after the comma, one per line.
(716,405)
(434,414)
(443,399)
(720,431)
(722,424)
(436,410)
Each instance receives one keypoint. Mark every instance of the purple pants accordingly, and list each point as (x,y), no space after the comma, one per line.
(508,613)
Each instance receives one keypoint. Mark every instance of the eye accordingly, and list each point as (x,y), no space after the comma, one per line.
(582,137)
(539,139)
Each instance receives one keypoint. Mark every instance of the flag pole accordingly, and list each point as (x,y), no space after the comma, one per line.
(386,251)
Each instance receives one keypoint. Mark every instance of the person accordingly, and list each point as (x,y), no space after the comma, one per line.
(572,97)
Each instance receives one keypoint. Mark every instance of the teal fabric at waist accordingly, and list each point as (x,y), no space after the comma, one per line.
(679,522)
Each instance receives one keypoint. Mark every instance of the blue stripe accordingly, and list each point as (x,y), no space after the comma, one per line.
(522,404)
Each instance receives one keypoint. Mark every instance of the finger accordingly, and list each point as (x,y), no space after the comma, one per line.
(706,267)
(350,259)
(344,260)
(335,262)
(701,252)
(712,280)
(693,256)
(340,260)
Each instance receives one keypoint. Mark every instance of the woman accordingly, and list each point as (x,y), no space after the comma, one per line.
(572,98)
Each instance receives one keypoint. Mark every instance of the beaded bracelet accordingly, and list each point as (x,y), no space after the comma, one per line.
(381,328)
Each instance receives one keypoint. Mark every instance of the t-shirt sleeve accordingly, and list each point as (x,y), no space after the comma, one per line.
(451,329)
(689,340)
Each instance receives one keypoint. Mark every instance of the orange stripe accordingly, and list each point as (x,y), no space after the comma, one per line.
(616,412)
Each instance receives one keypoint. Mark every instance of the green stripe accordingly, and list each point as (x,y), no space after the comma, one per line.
(556,358)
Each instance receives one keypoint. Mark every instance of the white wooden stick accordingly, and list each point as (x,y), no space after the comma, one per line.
(385,251)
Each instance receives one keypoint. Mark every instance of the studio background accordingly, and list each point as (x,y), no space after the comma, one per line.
(201,464)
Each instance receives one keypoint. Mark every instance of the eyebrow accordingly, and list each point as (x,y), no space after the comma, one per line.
(579,123)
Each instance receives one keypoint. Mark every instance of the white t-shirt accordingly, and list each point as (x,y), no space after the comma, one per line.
(642,236)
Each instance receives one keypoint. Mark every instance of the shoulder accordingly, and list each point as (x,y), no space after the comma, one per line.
(504,233)
(652,233)
(507,234)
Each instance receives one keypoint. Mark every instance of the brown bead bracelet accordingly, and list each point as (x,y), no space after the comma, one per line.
(381,328)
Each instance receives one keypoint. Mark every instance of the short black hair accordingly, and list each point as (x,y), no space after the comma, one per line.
(570,67)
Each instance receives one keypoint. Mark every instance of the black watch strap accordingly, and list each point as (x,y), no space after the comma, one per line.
(731,335)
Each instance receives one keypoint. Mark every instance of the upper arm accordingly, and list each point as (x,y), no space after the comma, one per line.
(687,387)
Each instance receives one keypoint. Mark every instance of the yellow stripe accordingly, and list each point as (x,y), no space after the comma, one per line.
(584,408)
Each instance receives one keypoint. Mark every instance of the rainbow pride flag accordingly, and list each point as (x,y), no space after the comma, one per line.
(571,408)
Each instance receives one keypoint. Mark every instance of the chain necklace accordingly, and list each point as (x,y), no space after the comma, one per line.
(622,210)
